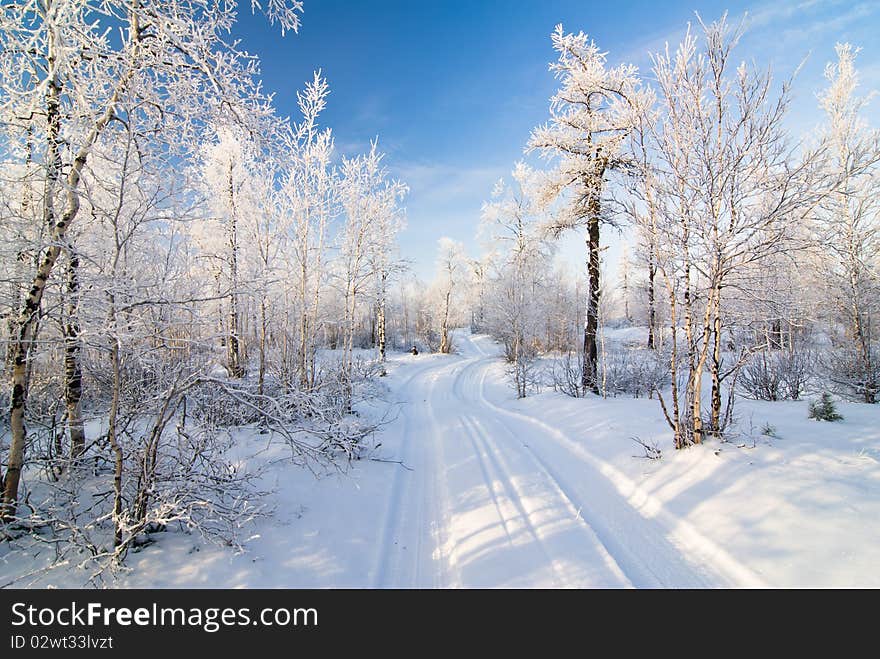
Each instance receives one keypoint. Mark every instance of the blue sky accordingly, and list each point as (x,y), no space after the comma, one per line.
(452,88)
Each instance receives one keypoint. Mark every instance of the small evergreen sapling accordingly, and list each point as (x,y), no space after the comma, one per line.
(824,409)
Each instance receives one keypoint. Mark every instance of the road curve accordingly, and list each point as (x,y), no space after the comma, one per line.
(493,498)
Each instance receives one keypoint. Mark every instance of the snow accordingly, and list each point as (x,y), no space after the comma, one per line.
(546,492)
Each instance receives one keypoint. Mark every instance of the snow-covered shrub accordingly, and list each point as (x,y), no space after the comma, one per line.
(162,470)
(824,409)
(650,448)
(853,376)
(166,459)
(631,371)
(769,430)
(565,374)
(46,424)
(316,423)
(759,378)
(212,405)
(428,340)
(795,369)
(524,369)
(777,375)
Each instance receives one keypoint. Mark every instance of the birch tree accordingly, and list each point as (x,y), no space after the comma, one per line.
(520,257)
(309,197)
(63,76)
(733,187)
(451,269)
(848,226)
(369,198)
(230,177)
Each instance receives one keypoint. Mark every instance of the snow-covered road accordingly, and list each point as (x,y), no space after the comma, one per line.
(544,492)
(495,498)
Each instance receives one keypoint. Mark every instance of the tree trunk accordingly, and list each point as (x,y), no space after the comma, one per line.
(688,434)
(261,376)
(304,320)
(775,338)
(589,379)
(652,308)
(24,331)
(716,365)
(673,368)
(444,325)
(115,446)
(233,347)
(380,319)
(72,367)
(29,318)
(310,346)
(857,328)
(697,373)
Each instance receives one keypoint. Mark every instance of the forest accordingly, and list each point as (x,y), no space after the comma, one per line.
(187,275)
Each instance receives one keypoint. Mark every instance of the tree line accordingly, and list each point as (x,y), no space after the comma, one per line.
(753,253)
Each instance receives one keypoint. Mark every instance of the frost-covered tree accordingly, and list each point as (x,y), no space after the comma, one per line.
(451,274)
(596,107)
(384,258)
(64,76)
(519,262)
(848,227)
(733,187)
(309,202)
(231,181)
(370,201)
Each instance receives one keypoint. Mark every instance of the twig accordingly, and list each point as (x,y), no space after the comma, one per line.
(397,462)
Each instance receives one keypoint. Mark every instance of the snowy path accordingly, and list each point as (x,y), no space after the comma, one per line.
(496,498)
(544,492)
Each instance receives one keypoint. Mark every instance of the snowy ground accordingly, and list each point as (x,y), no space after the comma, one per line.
(545,492)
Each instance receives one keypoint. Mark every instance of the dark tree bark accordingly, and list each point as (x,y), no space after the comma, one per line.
(72,365)
(380,319)
(233,345)
(589,380)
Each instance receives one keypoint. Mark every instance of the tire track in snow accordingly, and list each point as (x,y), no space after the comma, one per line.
(515,494)
(391,558)
(489,481)
(659,532)
(510,494)
(448,571)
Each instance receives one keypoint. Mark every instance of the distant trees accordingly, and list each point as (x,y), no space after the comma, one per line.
(518,266)
(451,273)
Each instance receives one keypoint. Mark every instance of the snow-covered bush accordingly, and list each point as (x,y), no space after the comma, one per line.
(566,374)
(777,375)
(633,372)
(162,470)
(854,376)
(524,369)
(759,379)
